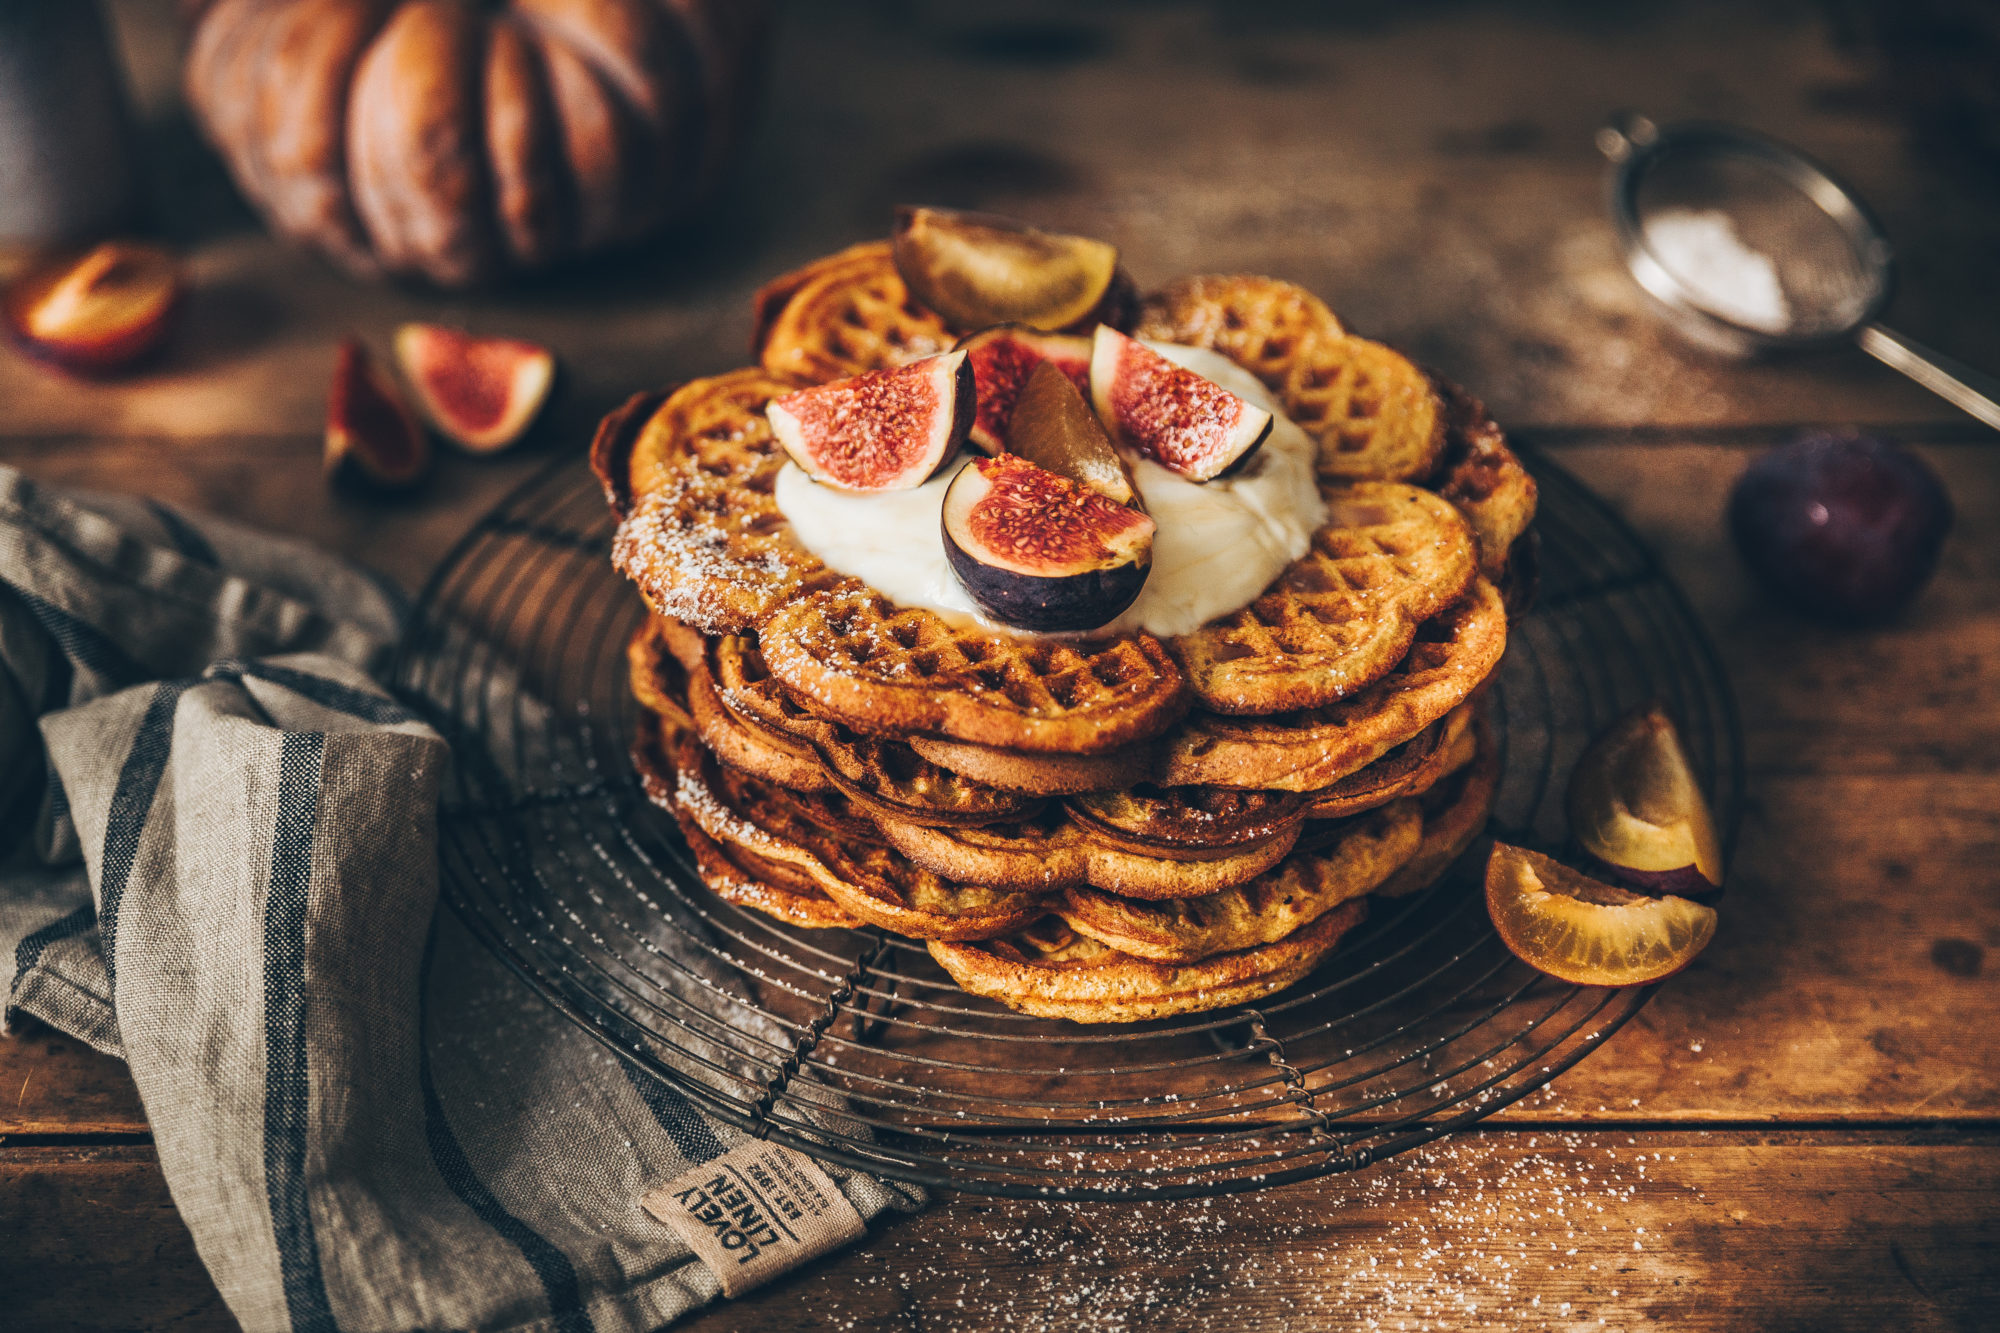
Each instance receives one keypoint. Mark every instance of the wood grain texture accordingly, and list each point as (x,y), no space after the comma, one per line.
(53,1084)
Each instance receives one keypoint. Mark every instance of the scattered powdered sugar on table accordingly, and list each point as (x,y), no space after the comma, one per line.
(1726,277)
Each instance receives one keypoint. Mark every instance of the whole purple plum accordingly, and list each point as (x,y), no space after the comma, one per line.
(1844,526)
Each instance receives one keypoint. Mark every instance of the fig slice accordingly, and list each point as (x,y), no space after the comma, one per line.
(1042,552)
(886,430)
(482,394)
(1183,422)
(1636,809)
(1002,359)
(1054,429)
(977,269)
(371,436)
(1568,925)
(97,312)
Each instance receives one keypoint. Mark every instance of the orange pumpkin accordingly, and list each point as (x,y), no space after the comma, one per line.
(458,141)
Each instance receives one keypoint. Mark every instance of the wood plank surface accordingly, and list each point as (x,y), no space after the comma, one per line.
(1431,172)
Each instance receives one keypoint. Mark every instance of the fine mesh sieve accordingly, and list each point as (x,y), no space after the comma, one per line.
(1752,247)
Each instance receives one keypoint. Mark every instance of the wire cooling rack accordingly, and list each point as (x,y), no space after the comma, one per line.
(855,1047)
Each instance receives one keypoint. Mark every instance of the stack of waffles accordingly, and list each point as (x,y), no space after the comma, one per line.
(1106,829)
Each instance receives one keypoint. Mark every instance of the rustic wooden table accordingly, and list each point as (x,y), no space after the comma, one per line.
(1802,1131)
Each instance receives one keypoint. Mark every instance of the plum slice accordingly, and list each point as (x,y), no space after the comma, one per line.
(1636,808)
(371,436)
(977,269)
(886,430)
(1042,552)
(1054,429)
(1002,359)
(98,312)
(482,394)
(1568,925)
(1188,424)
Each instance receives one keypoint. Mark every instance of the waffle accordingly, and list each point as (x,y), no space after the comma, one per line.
(1316,747)
(1481,476)
(1054,774)
(1053,972)
(872,882)
(1455,811)
(1297,892)
(1342,615)
(1055,852)
(843,315)
(1149,818)
(1375,414)
(1412,768)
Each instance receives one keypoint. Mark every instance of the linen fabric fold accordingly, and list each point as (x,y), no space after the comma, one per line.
(218,860)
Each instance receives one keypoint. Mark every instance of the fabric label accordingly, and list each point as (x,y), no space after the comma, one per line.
(757,1211)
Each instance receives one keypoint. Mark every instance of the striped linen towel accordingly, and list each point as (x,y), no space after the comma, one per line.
(218,862)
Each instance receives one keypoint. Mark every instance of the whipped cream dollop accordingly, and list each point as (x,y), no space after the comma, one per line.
(1219,543)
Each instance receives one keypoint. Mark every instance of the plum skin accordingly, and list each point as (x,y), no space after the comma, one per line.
(1847,527)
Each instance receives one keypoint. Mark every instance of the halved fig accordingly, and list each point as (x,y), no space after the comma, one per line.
(1568,925)
(1636,808)
(1002,358)
(371,437)
(482,394)
(1054,429)
(97,312)
(887,430)
(1183,422)
(1041,552)
(977,269)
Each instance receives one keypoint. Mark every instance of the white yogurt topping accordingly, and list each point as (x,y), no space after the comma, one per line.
(1219,543)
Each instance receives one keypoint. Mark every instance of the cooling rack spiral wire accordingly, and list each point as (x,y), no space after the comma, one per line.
(855,1047)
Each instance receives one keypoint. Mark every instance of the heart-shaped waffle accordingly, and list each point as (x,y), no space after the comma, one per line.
(843,315)
(1053,972)
(1054,852)
(1316,747)
(1194,819)
(1375,414)
(1455,813)
(1390,557)
(736,742)
(1409,769)
(872,882)
(1298,891)
(1481,476)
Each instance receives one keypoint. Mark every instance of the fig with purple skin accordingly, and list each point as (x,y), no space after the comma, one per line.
(1181,421)
(887,430)
(1002,359)
(977,269)
(1846,527)
(371,437)
(1042,552)
(1636,809)
(1054,429)
(482,394)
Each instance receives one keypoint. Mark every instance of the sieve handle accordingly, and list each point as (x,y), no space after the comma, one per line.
(1956,383)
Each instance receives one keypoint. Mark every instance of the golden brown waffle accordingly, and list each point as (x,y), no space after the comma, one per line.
(1053,852)
(1390,557)
(1261,324)
(1316,747)
(843,315)
(747,748)
(870,881)
(1410,769)
(1146,818)
(1053,972)
(1480,474)
(1305,886)
(1376,415)
(1052,774)
(851,653)
(701,536)
(1455,813)
(658,681)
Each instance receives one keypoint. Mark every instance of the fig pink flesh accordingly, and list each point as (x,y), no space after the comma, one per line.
(885,430)
(471,378)
(1035,520)
(1184,422)
(1001,364)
